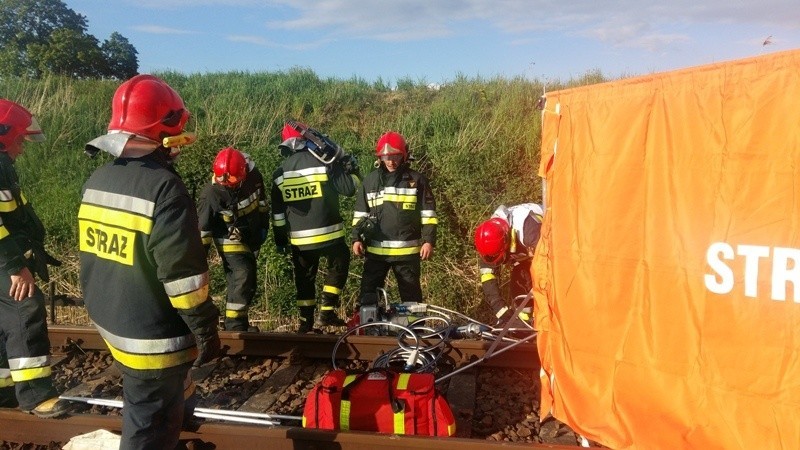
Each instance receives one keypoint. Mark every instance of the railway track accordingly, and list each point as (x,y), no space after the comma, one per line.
(271,373)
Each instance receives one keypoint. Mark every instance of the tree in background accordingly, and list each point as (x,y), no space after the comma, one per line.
(38,37)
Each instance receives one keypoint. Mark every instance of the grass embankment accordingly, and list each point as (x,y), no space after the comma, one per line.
(477,140)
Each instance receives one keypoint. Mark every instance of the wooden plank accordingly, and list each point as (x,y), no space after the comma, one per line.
(461,397)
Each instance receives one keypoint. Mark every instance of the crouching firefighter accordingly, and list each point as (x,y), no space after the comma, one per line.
(143,272)
(233,214)
(508,238)
(306,218)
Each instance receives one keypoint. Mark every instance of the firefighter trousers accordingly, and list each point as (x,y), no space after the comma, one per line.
(306,266)
(241,274)
(24,349)
(406,273)
(154,408)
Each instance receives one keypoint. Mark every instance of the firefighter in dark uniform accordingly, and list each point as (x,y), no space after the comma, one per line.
(305,213)
(233,214)
(25,375)
(508,238)
(143,266)
(400,204)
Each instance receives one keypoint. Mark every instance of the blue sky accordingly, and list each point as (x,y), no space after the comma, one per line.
(436,40)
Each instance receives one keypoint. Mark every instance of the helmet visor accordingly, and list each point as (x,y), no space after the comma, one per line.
(34,132)
(228,180)
(494,259)
(396,158)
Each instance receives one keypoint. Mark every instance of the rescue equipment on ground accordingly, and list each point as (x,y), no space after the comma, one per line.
(379,400)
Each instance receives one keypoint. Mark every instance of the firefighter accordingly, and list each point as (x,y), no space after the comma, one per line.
(306,218)
(144,273)
(508,238)
(233,214)
(394,222)
(25,374)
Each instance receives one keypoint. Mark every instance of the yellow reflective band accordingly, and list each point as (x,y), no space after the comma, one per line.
(331,289)
(311,302)
(6,382)
(233,314)
(153,361)
(317,239)
(3,231)
(430,221)
(30,374)
(451,429)
(344,416)
(304,421)
(234,248)
(487,277)
(304,179)
(190,299)
(400,198)
(385,251)
(279,222)
(348,379)
(207,240)
(8,205)
(400,421)
(375,202)
(107,242)
(301,192)
(248,209)
(402,381)
(112,217)
(326,308)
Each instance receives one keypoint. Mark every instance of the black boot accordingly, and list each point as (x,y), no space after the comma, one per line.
(328,318)
(306,319)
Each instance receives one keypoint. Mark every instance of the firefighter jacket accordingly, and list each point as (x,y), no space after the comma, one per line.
(235,220)
(143,267)
(20,228)
(402,205)
(525,222)
(305,201)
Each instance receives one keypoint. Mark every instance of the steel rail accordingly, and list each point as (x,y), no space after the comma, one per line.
(22,427)
(459,352)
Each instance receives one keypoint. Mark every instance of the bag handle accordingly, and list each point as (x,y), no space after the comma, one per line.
(397,405)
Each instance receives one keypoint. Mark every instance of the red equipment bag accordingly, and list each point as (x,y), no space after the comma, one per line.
(379,400)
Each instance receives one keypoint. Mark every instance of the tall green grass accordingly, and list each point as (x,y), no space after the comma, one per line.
(476,139)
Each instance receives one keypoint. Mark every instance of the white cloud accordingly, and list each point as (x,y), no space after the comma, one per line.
(157,29)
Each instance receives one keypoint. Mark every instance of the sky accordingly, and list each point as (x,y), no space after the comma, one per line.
(436,41)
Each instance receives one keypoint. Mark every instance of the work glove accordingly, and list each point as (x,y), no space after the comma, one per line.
(350,165)
(235,234)
(208,347)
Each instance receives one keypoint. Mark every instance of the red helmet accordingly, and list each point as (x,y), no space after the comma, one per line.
(230,167)
(491,240)
(147,106)
(16,121)
(290,131)
(391,143)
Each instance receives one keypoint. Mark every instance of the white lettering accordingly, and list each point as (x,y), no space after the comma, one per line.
(785,269)
(751,254)
(724,283)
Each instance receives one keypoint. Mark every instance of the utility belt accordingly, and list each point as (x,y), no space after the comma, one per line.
(379,400)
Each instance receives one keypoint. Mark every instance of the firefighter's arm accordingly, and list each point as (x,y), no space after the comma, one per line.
(205,214)
(491,287)
(428,213)
(344,183)
(280,229)
(181,261)
(360,211)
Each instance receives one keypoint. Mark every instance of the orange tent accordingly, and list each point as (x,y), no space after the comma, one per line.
(667,292)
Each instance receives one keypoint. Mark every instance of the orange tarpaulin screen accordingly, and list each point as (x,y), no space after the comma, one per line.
(667,288)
